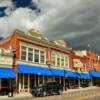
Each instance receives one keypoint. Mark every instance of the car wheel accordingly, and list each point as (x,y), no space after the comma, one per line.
(60,92)
(44,93)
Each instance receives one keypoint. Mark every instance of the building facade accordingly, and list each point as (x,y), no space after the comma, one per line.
(32,50)
(36,60)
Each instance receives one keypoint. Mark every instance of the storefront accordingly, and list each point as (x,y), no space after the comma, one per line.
(31,76)
(7,78)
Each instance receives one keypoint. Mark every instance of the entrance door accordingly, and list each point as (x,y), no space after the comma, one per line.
(4,87)
(32,82)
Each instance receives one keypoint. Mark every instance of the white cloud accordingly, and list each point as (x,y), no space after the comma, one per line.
(5,3)
(21,18)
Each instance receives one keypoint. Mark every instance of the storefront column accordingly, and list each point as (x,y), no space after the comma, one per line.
(19,82)
(43,79)
(91,82)
(28,82)
(60,80)
(34,80)
(79,83)
(0,83)
(64,83)
(38,79)
(23,82)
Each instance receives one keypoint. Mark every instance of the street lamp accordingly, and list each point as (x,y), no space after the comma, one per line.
(14,82)
(49,63)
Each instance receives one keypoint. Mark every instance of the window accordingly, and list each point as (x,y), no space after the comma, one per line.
(66,62)
(42,57)
(30,54)
(62,61)
(23,52)
(53,59)
(36,56)
(58,60)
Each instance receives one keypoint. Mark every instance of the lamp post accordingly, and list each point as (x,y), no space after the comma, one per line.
(11,84)
(49,66)
(64,79)
(79,81)
(14,82)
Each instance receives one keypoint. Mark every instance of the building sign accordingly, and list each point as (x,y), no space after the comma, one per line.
(77,63)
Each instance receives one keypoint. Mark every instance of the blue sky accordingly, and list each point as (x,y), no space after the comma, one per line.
(75,21)
(19,3)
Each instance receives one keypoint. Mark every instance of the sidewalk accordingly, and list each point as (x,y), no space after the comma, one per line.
(27,96)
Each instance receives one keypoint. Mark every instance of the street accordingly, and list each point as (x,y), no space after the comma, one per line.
(82,94)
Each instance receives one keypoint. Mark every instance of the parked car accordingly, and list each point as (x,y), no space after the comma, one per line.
(49,88)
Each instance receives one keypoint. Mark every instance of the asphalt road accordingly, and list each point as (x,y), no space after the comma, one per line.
(84,94)
(63,97)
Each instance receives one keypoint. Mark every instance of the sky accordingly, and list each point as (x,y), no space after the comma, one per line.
(75,21)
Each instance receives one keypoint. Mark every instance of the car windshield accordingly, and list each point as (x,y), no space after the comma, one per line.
(39,86)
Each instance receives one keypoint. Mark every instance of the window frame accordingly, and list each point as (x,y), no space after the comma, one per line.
(34,48)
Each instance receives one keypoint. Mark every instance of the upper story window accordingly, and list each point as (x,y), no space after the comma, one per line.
(59,59)
(53,59)
(23,52)
(35,55)
(42,57)
(30,54)
(66,61)
(62,61)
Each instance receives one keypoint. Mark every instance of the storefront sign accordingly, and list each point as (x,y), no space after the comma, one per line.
(77,63)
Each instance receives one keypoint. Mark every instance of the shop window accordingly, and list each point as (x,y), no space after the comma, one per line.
(40,79)
(45,79)
(25,81)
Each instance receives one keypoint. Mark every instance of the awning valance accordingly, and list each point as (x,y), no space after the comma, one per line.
(7,73)
(71,74)
(84,76)
(95,73)
(57,72)
(27,69)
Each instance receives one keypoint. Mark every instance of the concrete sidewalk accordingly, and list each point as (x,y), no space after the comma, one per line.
(27,96)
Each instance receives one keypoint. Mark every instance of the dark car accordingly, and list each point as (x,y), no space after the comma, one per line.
(49,88)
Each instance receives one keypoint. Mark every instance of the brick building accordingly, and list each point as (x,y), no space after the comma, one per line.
(36,60)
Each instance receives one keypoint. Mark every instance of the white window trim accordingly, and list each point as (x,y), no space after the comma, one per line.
(34,48)
(21,53)
(61,55)
(26,53)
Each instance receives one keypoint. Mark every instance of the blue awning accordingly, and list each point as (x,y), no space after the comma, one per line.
(6,73)
(57,72)
(71,74)
(26,69)
(94,73)
(84,76)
